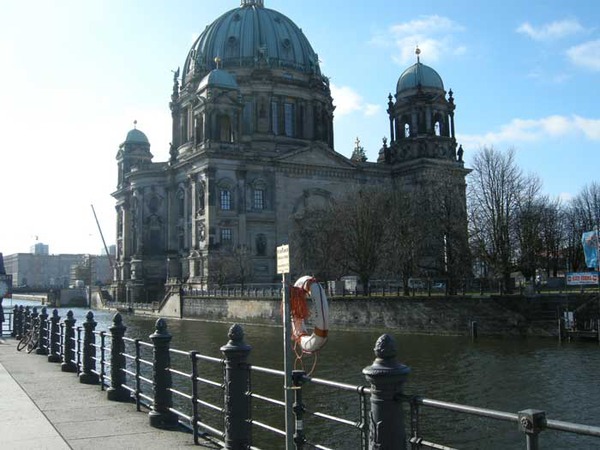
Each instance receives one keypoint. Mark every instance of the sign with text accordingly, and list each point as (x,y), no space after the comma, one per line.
(582,278)
(283,259)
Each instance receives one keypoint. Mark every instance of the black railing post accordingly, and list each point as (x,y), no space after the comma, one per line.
(54,344)
(386,376)
(15,318)
(297,381)
(238,433)
(33,318)
(161,415)
(87,376)
(68,362)
(26,321)
(116,391)
(43,333)
(532,422)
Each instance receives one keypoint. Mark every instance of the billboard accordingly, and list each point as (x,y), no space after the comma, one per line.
(582,278)
(589,240)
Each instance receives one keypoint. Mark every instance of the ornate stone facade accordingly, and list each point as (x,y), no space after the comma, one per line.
(252,147)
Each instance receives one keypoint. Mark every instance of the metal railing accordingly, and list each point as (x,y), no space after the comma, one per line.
(224,399)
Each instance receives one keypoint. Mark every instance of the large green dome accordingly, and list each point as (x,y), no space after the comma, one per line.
(250,36)
(419,75)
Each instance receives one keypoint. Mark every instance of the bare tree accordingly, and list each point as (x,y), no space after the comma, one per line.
(529,216)
(402,238)
(317,247)
(364,227)
(496,186)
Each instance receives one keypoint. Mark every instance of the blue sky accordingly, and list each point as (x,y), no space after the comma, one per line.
(76,74)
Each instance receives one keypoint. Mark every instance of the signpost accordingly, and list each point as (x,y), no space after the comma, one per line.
(283,268)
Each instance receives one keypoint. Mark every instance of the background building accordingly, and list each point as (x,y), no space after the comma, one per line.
(42,271)
(253,147)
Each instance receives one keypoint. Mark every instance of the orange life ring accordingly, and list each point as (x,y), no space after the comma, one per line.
(313,342)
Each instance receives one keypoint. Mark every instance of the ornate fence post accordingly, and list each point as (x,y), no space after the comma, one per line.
(68,363)
(161,416)
(238,433)
(33,317)
(43,334)
(386,376)
(54,344)
(15,324)
(87,376)
(116,391)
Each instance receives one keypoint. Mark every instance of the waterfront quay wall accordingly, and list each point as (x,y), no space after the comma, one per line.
(536,316)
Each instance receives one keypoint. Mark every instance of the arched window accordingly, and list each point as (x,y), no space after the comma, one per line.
(224,128)
(275,117)
(199,127)
(437,128)
(248,117)
(225,199)
(289,111)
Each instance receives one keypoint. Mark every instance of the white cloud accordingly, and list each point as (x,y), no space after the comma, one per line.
(534,130)
(433,34)
(348,101)
(551,31)
(372,109)
(586,55)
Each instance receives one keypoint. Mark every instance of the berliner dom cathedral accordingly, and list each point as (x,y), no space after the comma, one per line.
(253,147)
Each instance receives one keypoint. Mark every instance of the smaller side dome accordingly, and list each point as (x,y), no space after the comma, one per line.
(419,75)
(135,136)
(218,78)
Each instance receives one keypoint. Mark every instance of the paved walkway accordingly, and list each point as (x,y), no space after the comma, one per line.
(42,407)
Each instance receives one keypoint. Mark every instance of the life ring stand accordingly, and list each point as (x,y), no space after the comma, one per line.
(309,343)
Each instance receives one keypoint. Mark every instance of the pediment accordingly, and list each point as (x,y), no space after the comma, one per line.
(317,156)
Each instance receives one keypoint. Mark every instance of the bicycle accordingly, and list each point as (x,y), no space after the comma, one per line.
(30,339)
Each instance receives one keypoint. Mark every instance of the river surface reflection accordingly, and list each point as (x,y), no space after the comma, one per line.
(502,374)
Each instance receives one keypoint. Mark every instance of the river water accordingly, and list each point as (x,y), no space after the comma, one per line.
(508,374)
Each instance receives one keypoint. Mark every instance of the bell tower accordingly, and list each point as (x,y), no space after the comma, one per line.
(421,118)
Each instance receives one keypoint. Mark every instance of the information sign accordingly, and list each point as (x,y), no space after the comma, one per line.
(283,259)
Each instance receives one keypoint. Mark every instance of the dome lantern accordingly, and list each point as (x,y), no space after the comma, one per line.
(259,3)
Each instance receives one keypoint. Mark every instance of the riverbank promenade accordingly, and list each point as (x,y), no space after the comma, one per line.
(42,407)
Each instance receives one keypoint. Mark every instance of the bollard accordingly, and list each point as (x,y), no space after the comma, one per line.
(15,321)
(54,345)
(68,362)
(43,333)
(161,416)
(116,391)
(238,433)
(386,376)
(297,380)
(532,422)
(87,375)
